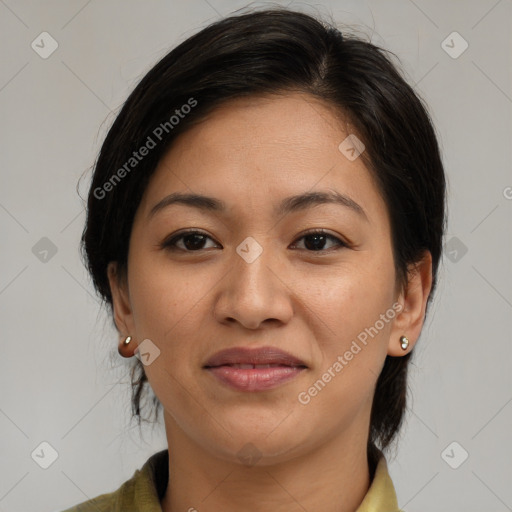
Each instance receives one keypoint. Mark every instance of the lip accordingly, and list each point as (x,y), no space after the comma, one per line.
(261,355)
(271,367)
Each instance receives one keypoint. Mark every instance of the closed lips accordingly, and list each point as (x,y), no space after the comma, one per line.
(248,366)
(254,369)
(246,358)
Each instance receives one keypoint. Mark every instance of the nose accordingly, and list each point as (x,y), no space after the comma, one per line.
(256,292)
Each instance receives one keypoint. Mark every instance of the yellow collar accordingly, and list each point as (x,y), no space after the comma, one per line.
(381,496)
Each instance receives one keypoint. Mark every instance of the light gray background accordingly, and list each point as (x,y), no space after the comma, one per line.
(61,379)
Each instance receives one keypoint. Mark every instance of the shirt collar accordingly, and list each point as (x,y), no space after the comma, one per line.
(381,496)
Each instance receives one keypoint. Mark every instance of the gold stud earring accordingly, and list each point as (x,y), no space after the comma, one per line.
(404,342)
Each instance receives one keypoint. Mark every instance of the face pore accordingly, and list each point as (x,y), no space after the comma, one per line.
(202,296)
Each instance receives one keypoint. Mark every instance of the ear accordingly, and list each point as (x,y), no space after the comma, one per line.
(123,316)
(409,321)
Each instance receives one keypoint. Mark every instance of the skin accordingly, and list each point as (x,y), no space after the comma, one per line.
(251,154)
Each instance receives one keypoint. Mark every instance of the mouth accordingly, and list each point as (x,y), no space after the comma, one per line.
(248,366)
(259,369)
(260,356)
(248,377)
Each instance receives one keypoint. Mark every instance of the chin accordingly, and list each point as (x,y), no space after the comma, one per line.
(264,445)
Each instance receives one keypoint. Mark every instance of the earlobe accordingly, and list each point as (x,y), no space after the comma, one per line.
(126,347)
(409,322)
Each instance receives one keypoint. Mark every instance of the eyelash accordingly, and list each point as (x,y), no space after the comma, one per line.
(170,244)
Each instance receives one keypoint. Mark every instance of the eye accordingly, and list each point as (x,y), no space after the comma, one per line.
(194,241)
(316,240)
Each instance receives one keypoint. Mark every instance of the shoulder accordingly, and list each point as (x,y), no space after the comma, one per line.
(108,502)
(141,492)
(103,503)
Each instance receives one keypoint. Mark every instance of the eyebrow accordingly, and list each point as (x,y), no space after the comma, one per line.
(286,206)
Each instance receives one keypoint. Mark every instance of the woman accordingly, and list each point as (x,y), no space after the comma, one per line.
(265,222)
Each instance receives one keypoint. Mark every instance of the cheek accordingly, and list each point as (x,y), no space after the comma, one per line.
(352,340)
(162,294)
(353,298)
(168,310)
(353,319)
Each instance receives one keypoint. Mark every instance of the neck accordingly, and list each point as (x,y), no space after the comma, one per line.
(333,478)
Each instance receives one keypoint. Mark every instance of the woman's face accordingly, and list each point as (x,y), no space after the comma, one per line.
(255,280)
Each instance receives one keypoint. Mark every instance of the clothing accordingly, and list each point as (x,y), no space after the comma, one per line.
(143,492)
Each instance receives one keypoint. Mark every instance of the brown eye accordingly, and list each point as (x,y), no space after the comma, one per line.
(193,241)
(316,240)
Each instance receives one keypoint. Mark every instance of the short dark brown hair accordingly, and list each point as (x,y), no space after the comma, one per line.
(272,52)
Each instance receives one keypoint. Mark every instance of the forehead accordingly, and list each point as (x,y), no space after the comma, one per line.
(256,150)
(285,125)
